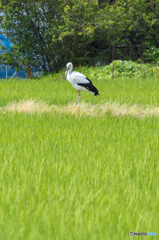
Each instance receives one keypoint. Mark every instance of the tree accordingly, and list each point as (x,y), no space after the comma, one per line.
(28,25)
(45,34)
(49,33)
(144,21)
(76,31)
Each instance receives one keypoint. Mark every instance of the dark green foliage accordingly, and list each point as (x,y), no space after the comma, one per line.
(48,34)
(151,55)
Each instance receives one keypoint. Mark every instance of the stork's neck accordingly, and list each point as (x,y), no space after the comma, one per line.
(68,74)
(69,71)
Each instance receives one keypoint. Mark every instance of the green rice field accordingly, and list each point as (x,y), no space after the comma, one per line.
(67,174)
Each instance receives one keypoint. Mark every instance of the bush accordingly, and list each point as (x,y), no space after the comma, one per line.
(151,55)
(121,69)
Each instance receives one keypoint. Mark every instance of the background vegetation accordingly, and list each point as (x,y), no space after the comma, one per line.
(48,34)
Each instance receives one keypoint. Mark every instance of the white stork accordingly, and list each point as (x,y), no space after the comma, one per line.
(79,81)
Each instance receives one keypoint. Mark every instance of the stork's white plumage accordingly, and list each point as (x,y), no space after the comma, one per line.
(79,81)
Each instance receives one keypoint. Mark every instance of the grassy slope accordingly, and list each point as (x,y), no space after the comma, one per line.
(71,177)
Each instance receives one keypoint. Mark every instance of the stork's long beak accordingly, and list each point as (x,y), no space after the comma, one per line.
(66,74)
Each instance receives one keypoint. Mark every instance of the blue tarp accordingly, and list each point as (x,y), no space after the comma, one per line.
(6,42)
(5,70)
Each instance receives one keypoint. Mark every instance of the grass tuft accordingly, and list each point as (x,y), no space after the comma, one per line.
(29,106)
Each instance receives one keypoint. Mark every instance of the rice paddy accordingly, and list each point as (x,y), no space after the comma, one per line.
(70,174)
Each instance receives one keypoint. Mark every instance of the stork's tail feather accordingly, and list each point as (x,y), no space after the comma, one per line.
(95,91)
(92,88)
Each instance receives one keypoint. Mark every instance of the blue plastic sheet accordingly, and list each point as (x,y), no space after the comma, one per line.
(6,42)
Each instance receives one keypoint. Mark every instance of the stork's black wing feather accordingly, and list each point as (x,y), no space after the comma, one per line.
(89,86)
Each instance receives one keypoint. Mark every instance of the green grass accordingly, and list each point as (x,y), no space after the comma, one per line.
(56,90)
(64,176)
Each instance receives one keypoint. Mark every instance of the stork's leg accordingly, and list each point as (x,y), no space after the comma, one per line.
(79,97)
